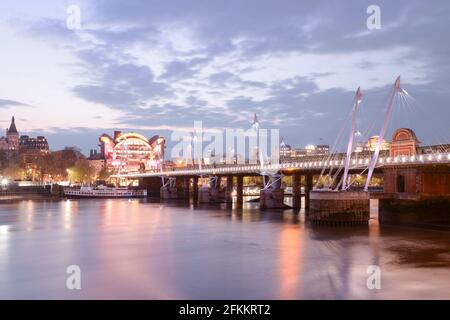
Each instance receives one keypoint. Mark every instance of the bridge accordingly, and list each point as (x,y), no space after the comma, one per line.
(311,164)
(409,172)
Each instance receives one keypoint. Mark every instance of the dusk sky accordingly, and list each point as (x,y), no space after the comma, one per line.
(156,66)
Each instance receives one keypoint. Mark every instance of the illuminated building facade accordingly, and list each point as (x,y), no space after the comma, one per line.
(128,152)
(372,144)
(287,153)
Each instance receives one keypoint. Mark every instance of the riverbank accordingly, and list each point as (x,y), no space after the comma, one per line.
(31,193)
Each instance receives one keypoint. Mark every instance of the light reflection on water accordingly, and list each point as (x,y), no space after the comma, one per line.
(139,249)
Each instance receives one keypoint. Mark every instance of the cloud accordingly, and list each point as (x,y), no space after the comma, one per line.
(12,103)
(295,63)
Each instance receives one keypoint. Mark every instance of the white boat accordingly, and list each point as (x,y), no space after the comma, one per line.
(104,192)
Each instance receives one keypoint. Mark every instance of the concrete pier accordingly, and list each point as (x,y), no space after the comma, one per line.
(153,186)
(186,186)
(339,207)
(273,196)
(195,189)
(168,193)
(272,199)
(239,191)
(229,190)
(204,194)
(296,191)
(308,188)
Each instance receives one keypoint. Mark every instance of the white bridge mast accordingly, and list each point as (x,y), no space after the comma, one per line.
(396,88)
(358,97)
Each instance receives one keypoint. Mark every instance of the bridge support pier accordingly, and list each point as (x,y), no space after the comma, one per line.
(217,193)
(204,195)
(296,191)
(272,197)
(169,190)
(152,184)
(308,188)
(339,207)
(229,190)
(168,193)
(239,191)
(186,185)
(416,195)
(212,193)
(195,190)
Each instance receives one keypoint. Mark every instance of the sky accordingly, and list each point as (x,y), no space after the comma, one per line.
(158,66)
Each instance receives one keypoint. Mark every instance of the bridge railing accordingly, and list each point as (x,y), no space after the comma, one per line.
(355,163)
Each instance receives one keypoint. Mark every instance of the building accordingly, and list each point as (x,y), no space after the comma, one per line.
(25,144)
(11,140)
(287,153)
(322,149)
(404,143)
(38,145)
(96,162)
(127,152)
(371,144)
(285,150)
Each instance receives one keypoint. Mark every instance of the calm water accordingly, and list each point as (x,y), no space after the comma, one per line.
(137,249)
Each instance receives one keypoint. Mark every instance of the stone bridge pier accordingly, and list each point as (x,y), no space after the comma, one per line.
(297,189)
(415,195)
(272,195)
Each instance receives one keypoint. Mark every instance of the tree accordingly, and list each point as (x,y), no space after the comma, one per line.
(11,165)
(104,174)
(81,172)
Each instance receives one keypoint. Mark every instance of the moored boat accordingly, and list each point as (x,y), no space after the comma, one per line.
(104,192)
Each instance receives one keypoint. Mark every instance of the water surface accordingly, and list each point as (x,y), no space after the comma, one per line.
(142,250)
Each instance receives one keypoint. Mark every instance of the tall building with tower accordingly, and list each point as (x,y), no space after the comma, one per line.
(11,140)
(26,144)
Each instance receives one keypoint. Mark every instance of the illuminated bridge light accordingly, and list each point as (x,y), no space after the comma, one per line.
(430,157)
(412,158)
(439,157)
(448,156)
(403,159)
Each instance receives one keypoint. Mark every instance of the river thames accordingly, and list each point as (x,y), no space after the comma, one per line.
(136,249)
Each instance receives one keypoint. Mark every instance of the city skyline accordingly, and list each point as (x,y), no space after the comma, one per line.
(152,68)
